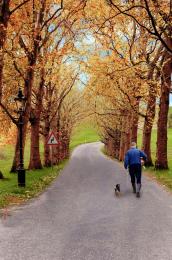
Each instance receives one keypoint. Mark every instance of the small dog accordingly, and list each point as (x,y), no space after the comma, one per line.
(117,190)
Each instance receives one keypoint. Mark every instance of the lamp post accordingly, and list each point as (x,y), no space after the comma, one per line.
(20,103)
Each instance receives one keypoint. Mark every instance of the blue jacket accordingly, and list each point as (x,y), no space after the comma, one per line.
(133,156)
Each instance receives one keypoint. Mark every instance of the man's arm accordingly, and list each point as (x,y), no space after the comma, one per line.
(143,155)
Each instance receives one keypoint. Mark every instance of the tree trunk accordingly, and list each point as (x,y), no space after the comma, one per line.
(151,106)
(117,143)
(148,124)
(47,154)
(67,150)
(35,160)
(161,155)
(134,126)
(47,127)
(125,133)
(111,147)
(128,127)
(122,145)
(17,147)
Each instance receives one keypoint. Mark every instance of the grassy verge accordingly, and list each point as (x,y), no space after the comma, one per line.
(163,176)
(38,180)
(84,133)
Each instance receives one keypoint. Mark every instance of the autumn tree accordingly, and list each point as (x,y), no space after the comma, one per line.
(122,23)
(157,22)
(26,41)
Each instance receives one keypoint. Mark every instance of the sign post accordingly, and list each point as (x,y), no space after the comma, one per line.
(51,141)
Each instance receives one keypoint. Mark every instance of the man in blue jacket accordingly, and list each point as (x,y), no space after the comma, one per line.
(132,160)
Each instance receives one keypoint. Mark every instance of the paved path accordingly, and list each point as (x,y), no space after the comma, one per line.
(78,217)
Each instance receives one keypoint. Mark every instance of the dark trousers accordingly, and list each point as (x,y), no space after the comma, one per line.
(135,171)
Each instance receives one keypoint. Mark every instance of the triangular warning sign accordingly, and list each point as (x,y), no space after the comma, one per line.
(52,140)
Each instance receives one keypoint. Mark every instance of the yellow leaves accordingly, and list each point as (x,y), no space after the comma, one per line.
(97,8)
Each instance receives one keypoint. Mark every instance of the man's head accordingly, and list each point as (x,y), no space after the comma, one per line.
(133,145)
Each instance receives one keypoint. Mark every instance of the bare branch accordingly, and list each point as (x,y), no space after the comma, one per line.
(153,22)
(19,6)
(8,113)
(23,45)
(18,70)
(155,28)
(53,15)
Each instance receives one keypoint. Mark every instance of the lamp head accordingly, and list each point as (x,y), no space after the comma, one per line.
(20,101)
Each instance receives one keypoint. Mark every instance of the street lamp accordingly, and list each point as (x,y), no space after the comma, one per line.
(20,103)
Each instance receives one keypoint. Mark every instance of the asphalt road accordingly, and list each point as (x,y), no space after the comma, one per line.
(79,218)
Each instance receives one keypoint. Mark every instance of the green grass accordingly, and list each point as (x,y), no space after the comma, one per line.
(84,133)
(38,180)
